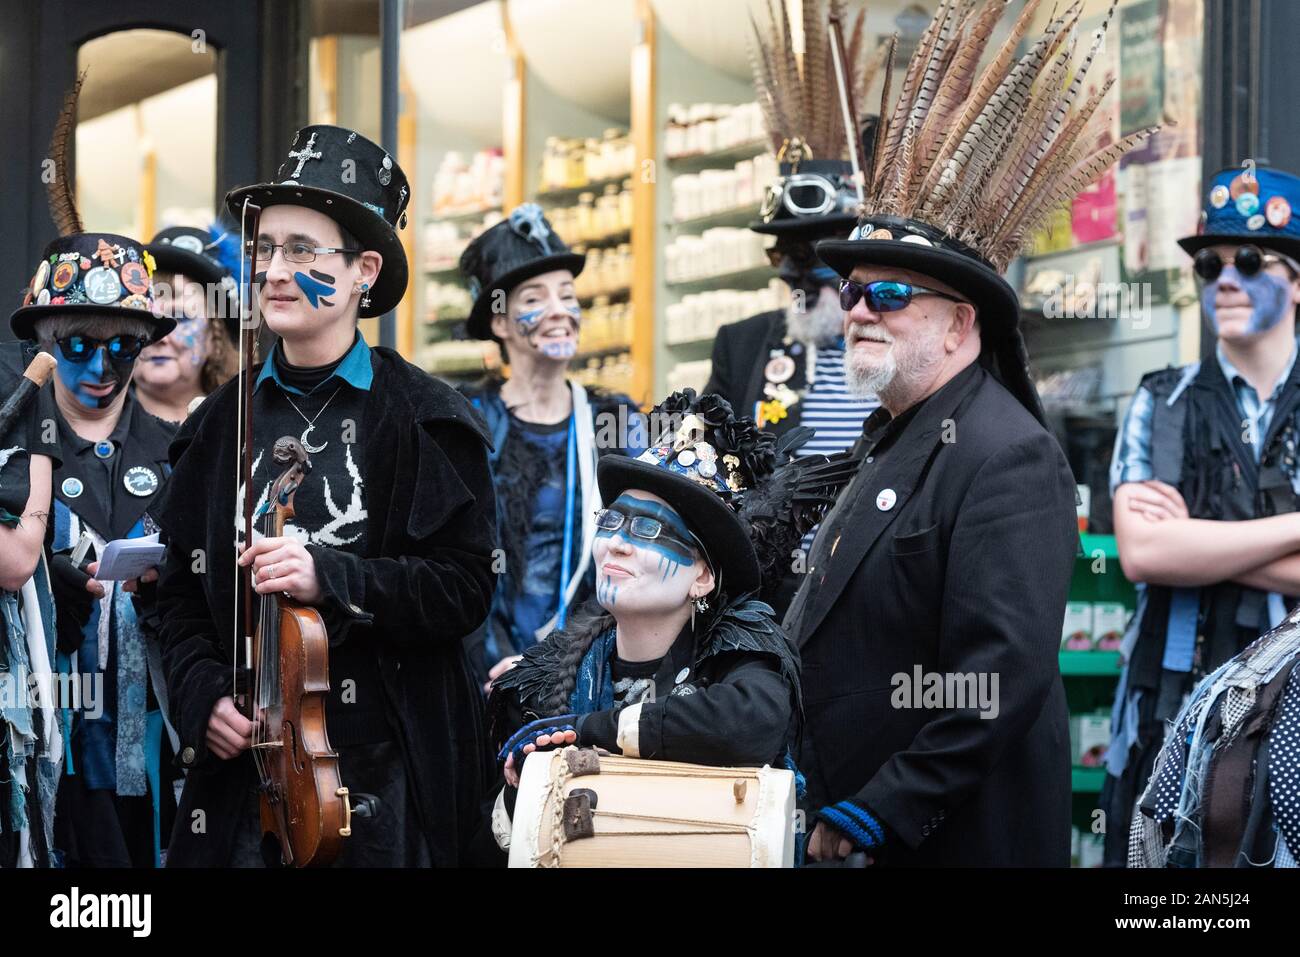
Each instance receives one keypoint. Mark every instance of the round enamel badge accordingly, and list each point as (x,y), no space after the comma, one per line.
(1219,196)
(72,487)
(64,274)
(102,285)
(779,369)
(1247,204)
(135,277)
(1277,211)
(41,277)
(886,499)
(141,481)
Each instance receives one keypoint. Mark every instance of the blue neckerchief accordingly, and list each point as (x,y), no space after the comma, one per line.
(594,688)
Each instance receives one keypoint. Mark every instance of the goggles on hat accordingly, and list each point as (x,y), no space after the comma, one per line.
(802,194)
(885,295)
(79,349)
(1248,260)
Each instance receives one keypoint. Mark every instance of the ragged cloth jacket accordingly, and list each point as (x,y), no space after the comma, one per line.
(950,555)
(425,583)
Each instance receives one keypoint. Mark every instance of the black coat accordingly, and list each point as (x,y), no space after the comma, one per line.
(741,352)
(966,573)
(430,531)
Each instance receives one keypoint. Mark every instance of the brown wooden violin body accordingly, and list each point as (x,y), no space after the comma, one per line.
(303,801)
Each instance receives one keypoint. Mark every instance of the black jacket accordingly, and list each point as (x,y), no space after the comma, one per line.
(952,551)
(729,697)
(427,583)
(741,352)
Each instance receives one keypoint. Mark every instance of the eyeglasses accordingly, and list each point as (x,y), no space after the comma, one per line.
(639,526)
(1249,260)
(296,252)
(80,348)
(885,295)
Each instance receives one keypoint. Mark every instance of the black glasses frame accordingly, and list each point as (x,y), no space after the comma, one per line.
(136,342)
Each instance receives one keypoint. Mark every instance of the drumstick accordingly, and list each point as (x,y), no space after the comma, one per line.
(36,375)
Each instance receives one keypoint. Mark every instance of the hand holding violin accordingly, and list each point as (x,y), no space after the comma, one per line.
(283,564)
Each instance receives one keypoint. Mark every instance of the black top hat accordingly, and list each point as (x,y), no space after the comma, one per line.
(521,246)
(810,200)
(356,183)
(904,243)
(92,274)
(197,253)
(702,464)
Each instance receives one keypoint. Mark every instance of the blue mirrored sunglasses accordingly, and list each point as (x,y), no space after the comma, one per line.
(885,295)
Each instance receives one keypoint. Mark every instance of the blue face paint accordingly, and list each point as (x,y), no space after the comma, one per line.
(672,554)
(1269,298)
(527,322)
(314,289)
(606,593)
(97,370)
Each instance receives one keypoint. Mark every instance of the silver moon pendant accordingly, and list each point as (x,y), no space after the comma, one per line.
(311,449)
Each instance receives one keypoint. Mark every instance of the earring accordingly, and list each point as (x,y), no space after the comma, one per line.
(365,295)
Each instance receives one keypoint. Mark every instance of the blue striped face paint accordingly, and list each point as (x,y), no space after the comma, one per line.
(316,287)
(640,575)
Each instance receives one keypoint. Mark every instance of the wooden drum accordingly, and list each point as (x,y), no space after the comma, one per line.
(578,809)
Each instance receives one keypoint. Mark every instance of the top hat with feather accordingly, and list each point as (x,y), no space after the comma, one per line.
(814,195)
(521,246)
(356,183)
(966,167)
(83,273)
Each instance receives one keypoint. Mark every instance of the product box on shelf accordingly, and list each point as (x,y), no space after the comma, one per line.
(1109,620)
(1077,629)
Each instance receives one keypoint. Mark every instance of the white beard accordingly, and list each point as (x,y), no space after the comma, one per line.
(899,370)
(820,323)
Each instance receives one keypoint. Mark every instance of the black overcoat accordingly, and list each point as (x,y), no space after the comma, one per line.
(952,551)
(741,352)
(426,583)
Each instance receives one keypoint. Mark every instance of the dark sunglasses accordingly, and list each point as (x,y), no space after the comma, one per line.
(639,526)
(80,348)
(885,295)
(1249,260)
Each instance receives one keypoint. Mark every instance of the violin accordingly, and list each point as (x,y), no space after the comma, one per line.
(282,681)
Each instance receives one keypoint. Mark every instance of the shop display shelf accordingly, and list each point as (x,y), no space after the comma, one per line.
(568,195)
(1092,543)
(615,295)
(753,277)
(472,214)
(736,216)
(1087,780)
(609,239)
(600,353)
(1103,663)
(718,159)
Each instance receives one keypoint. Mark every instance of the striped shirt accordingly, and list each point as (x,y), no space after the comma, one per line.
(829,407)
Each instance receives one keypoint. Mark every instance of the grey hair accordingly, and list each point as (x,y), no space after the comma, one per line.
(50,328)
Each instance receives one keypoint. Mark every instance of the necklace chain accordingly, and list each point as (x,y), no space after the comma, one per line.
(312,421)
